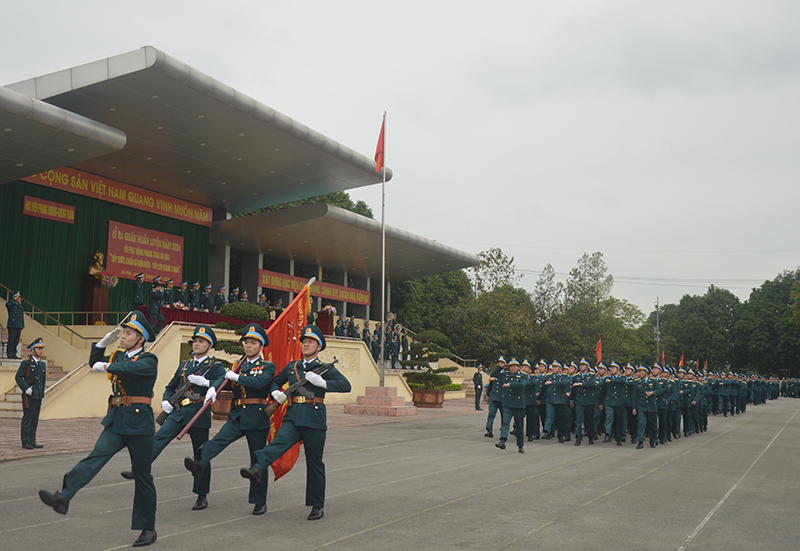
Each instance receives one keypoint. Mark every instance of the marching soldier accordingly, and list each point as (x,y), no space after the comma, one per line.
(31,377)
(613,400)
(305,419)
(645,396)
(557,388)
(511,384)
(584,386)
(247,418)
(128,423)
(495,400)
(190,372)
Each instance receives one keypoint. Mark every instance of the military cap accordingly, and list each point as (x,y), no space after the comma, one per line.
(16,294)
(255,331)
(313,332)
(140,275)
(592,370)
(601,365)
(542,362)
(501,360)
(614,364)
(526,362)
(643,367)
(138,321)
(205,332)
(207,286)
(38,342)
(221,288)
(157,279)
(583,361)
(513,361)
(170,281)
(555,363)
(184,283)
(235,289)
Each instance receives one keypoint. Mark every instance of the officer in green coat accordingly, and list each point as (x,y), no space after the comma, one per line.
(250,385)
(584,388)
(31,377)
(154,309)
(645,397)
(495,400)
(557,388)
(194,296)
(613,402)
(305,419)
(219,300)
(511,386)
(477,384)
(206,303)
(199,372)
(180,294)
(128,423)
(138,291)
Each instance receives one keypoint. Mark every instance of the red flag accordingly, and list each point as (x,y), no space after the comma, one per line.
(662,357)
(680,364)
(697,365)
(284,346)
(599,350)
(706,364)
(379,150)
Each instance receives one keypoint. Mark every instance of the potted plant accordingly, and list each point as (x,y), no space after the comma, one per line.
(427,382)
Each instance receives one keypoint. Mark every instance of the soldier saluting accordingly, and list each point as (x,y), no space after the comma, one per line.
(193,376)
(128,423)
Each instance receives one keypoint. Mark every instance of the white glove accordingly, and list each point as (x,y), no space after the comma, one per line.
(211,394)
(166,406)
(316,379)
(199,380)
(100,367)
(279,396)
(29,391)
(232,376)
(110,338)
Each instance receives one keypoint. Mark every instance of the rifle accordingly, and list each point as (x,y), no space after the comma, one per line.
(299,386)
(207,403)
(179,395)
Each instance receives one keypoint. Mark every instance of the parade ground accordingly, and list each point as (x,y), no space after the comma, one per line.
(435,482)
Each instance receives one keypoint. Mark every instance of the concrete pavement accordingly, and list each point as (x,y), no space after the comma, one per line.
(434,481)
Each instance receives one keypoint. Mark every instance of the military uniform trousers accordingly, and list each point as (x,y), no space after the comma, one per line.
(518,414)
(13,341)
(532,421)
(313,445)
(168,431)
(688,423)
(30,420)
(478,392)
(140,448)
(647,424)
(662,424)
(615,421)
(227,435)
(494,407)
(599,420)
(557,418)
(156,319)
(584,416)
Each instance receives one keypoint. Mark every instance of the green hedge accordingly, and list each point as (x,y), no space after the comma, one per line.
(246,311)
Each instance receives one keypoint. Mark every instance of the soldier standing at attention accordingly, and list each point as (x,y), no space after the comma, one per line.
(244,297)
(219,300)
(305,419)
(250,387)
(495,400)
(180,294)
(138,291)
(194,296)
(15,324)
(169,294)
(128,423)
(206,303)
(154,311)
(477,383)
(234,296)
(512,391)
(189,372)
(31,378)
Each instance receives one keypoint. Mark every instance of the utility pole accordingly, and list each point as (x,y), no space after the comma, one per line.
(657,329)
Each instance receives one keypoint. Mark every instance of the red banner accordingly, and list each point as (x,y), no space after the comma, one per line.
(132,250)
(292,284)
(33,206)
(90,185)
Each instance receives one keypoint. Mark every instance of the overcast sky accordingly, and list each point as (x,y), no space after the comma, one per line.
(666,135)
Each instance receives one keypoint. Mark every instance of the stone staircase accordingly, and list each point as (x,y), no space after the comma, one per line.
(380,401)
(11,401)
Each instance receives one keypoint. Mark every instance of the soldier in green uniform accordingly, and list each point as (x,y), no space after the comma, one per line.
(661,402)
(495,400)
(180,294)
(194,296)
(630,418)
(31,378)
(250,387)
(673,406)
(169,293)
(645,397)
(206,304)
(557,388)
(512,392)
(154,309)
(687,392)
(305,419)
(15,324)
(138,291)
(584,387)
(128,423)
(219,300)
(531,393)
(613,403)
(477,384)
(233,296)
(189,371)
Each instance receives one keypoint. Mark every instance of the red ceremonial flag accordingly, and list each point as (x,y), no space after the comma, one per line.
(662,357)
(706,364)
(284,347)
(599,350)
(680,364)
(697,365)
(379,150)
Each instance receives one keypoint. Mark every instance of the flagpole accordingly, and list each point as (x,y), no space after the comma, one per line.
(383,257)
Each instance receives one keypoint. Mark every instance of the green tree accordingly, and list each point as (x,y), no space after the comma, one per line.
(426,303)
(495,269)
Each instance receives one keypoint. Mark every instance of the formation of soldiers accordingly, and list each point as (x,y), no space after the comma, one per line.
(657,404)
(395,347)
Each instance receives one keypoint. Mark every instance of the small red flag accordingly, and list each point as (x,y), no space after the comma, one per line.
(662,357)
(697,365)
(599,350)
(706,364)
(379,150)
(681,362)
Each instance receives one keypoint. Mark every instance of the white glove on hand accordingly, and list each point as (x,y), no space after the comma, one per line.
(100,367)
(211,394)
(166,406)
(316,379)
(232,376)
(110,338)
(279,396)
(29,391)
(199,380)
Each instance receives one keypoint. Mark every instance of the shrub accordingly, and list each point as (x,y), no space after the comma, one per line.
(246,311)
(231,347)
